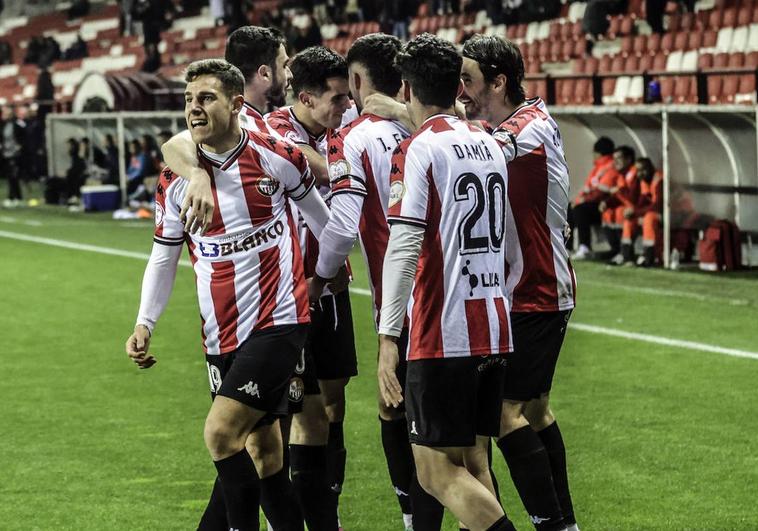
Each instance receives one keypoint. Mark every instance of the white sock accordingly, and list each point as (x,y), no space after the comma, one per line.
(408,520)
(573,527)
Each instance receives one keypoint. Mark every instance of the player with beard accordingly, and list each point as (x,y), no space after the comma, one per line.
(540,282)
(317,451)
(359,164)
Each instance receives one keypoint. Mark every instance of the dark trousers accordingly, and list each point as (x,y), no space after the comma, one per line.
(14,179)
(584,216)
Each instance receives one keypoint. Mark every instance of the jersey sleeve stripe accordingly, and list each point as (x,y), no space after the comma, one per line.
(354,191)
(408,221)
(168,241)
(306,187)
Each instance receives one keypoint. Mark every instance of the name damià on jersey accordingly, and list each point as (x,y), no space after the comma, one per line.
(472,151)
(241,243)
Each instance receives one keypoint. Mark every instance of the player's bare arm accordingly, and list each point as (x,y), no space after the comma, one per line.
(180,154)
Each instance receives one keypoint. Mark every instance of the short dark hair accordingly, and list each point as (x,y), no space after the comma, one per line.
(603,146)
(377,52)
(232,81)
(495,56)
(312,67)
(627,152)
(432,66)
(645,161)
(249,47)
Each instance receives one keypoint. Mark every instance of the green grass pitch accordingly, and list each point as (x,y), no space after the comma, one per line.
(659,437)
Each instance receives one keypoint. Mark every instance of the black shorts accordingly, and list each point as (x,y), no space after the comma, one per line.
(258,372)
(449,401)
(537,340)
(331,343)
(303,381)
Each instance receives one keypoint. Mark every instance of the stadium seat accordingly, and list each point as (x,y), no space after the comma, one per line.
(714,19)
(667,42)
(654,44)
(714,88)
(710,38)
(694,40)
(736,60)
(755,14)
(577,32)
(617,65)
(646,63)
(680,40)
(636,92)
(604,63)
(685,90)
(746,90)
(631,64)
(627,26)
(639,45)
(532,30)
(591,65)
(576,11)
(705,60)
(565,33)
(567,50)
(659,62)
(583,91)
(543,49)
(752,38)
(564,89)
(729,89)
(730,18)
(667,89)
(689,61)
(721,60)
(724,41)
(688,22)
(627,45)
(744,16)
(674,62)
(555,30)
(751,59)
(739,39)
(614,27)
(579,49)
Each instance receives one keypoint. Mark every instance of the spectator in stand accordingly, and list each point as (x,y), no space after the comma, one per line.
(77,50)
(12,150)
(34,142)
(308,32)
(152,59)
(45,95)
(75,175)
(33,51)
(648,208)
(397,17)
(621,195)
(112,160)
(370,9)
(139,167)
(78,9)
(585,213)
(126,17)
(49,53)
(156,15)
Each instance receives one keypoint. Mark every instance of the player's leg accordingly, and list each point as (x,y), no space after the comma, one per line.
(542,420)
(522,449)
(628,232)
(333,350)
(441,472)
(255,384)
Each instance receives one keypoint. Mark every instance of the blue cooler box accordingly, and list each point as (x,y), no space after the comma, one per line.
(101,197)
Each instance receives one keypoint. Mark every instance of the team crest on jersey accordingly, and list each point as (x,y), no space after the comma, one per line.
(397,191)
(159,213)
(268,185)
(338,169)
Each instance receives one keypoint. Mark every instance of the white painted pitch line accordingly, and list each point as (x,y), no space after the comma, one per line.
(647,338)
(666,341)
(30,222)
(664,292)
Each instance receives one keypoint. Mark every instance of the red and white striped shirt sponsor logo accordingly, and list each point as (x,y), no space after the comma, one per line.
(451,179)
(540,276)
(248,266)
(360,159)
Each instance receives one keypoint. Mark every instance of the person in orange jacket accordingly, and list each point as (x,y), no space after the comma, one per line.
(624,195)
(584,211)
(649,209)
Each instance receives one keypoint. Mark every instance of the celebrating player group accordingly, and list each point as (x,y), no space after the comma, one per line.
(456,186)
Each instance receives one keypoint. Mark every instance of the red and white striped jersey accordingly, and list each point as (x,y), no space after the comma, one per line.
(251,120)
(248,266)
(285,124)
(540,276)
(360,159)
(451,179)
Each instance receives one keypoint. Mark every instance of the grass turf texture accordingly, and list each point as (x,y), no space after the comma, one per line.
(658,437)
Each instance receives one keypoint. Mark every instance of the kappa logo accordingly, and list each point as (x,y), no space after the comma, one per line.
(400,492)
(413,428)
(268,185)
(397,191)
(250,388)
(536,520)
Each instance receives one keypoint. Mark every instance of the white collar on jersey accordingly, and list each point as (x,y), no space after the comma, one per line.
(438,115)
(224,160)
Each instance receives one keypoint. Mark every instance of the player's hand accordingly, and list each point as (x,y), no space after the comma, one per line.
(198,205)
(137,346)
(341,281)
(382,105)
(389,386)
(315,289)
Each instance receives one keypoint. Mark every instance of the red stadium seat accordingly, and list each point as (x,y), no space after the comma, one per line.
(729,88)
(736,60)
(533,67)
(567,50)
(680,40)
(667,89)
(755,15)
(659,62)
(536,88)
(694,40)
(675,23)
(667,42)
(614,27)
(543,49)
(646,63)
(710,37)
(714,19)
(565,89)
(746,89)
(720,60)
(617,65)
(631,64)
(654,44)
(683,90)
(627,26)
(752,60)
(744,16)
(604,64)
(576,30)
(714,88)
(555,30)
(627,45)
(636,7)
(566,28)
(579,48)
(688,22)
(556,48)
(705,60)
(730,18)
(578,65)
(639,45)
(608,86)
(521,31)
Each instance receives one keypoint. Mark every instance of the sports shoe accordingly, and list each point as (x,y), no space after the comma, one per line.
(582,253)
(617,260)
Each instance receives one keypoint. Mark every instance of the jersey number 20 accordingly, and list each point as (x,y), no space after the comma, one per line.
(489,196)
